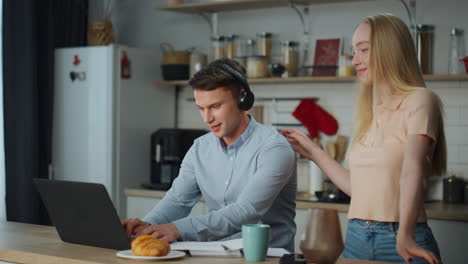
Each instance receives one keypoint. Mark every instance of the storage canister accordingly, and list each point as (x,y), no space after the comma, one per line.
(289,57)
(232,49)
(257,67)
(265,44)
(425,47)
(217,48)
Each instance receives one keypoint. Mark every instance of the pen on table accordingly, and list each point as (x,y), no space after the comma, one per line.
(226,248)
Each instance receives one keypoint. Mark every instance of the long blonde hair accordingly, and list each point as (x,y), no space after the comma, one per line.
(393,60)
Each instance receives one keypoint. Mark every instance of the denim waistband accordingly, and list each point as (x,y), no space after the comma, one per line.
(373,225)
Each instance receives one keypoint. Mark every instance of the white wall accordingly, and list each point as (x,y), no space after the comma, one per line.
(2,149)
(138,24)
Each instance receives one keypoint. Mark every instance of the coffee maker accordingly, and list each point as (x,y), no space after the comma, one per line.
(168,148)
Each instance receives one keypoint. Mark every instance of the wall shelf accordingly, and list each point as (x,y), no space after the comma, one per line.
(214,7)
(310,79)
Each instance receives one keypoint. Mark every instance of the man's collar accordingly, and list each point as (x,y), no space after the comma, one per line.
(244,136)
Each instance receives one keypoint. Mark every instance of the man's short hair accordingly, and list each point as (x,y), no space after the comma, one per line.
(213,77)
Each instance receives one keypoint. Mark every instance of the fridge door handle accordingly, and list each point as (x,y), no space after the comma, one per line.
(158,153)
(51,171)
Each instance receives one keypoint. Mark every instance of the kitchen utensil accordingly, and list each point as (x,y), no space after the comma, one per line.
(171,56)
(453,190)
(322,241)
(331,148)
(174,72)
(276,69)
(340,147)
(465,60)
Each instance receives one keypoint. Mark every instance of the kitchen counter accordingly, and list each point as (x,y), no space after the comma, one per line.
(434,210)
(32,244)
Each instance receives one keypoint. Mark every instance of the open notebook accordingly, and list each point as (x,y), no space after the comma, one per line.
(228,248)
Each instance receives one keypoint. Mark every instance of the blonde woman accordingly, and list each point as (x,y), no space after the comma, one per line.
(398,142)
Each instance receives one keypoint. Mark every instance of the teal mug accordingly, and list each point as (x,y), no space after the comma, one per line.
(255,238)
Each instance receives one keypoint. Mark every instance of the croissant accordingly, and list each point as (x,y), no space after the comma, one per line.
(150,246)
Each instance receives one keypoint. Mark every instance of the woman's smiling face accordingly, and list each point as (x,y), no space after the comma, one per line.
(361,47)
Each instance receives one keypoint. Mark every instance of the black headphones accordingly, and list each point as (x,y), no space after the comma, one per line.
(246,97)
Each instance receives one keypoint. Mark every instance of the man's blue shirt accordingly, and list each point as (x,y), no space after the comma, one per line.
(252,180)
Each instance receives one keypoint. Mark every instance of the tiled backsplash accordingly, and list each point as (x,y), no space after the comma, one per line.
(339,98)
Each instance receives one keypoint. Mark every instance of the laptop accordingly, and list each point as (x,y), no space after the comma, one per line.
(83,213)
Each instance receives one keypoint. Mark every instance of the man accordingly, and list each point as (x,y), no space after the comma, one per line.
(244,170)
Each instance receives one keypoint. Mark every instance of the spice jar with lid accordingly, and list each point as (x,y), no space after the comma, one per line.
(257,67)
(289,57)
(217,48)
(346,68)
(265,44)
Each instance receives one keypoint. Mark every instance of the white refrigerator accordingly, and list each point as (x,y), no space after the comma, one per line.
(105,109)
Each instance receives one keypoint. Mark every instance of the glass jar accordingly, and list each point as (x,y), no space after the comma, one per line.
(265,44)
(257,67)
(346,68)
(424,47)
(233,46)
(456,52)
(251,47)
(289,57)
(217,48)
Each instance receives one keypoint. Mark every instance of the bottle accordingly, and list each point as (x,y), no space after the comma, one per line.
(455,65)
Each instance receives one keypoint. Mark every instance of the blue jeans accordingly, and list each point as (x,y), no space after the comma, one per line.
(374,240)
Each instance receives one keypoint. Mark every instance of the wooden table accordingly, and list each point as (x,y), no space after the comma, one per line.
(25,243)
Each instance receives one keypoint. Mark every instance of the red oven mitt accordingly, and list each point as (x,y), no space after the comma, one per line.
(315,118)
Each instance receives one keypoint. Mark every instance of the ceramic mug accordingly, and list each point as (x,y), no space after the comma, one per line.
(255,238)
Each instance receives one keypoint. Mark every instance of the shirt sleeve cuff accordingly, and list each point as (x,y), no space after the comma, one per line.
(185,228)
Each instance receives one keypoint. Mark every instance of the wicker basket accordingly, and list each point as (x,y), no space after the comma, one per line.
(100,33)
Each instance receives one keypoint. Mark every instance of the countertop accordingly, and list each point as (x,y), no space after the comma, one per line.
(434,210)
(34,244)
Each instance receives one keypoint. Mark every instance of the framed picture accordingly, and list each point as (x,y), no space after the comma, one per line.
(327,52)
